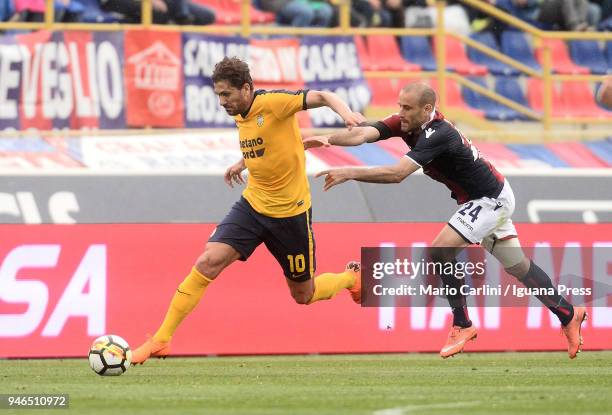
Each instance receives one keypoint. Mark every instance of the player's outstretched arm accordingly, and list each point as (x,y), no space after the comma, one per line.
(233,174)
(383,174)
(316,99)
(354,137)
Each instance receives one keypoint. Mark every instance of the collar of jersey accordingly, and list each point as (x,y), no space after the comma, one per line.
(246,113)
(431,117)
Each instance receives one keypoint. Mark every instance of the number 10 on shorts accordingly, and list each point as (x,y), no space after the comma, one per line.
(297,263)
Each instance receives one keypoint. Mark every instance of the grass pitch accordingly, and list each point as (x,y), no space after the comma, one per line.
(485,383)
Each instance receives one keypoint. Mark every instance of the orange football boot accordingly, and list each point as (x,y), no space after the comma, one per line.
(457,338)
(572,332)
(150,348)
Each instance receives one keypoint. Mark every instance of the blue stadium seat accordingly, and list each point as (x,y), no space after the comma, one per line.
(588,53)
(537,152)
(515,45)
(495,67)
(508,86)
(609,53)
(417,49)
(602,149)
(492,109)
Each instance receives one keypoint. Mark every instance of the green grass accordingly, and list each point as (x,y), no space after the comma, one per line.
(485,383)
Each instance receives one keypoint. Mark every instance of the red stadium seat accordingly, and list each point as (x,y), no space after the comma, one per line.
(561,60)
(576,154)
(362,52)
(384,54)
(385,91)
(579,100)
(535,91)
(453,96)
(457,60)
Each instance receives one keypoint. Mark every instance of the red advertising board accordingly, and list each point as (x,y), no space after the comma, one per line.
(154,78)
(63,285)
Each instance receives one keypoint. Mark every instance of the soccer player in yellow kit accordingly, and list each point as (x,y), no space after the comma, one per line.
(275,207)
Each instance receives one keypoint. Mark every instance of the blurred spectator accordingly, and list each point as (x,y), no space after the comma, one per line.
(7,10)
(164,11)
(576,15)
(30,10)
(300,13)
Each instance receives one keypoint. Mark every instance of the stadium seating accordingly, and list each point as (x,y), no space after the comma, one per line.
(588,53)
(515,45)
(385,55)
(417,49)
(537,152)
(454,99)
(495,67)
(579,100)
(457,60)
(385,91)
(602,149)
(509,87)
(576,155)
(535,88)
(492,109)
(362,52)
(561,61)
(609,53)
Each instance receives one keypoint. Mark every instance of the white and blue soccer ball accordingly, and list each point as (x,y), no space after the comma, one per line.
(110,355)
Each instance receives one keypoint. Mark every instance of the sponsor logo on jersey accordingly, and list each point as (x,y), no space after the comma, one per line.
(260,120)
(429,132)
(252,147)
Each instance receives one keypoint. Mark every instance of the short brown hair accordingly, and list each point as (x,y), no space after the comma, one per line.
(234,71)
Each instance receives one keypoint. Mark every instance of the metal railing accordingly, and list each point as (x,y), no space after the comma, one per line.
(246,29)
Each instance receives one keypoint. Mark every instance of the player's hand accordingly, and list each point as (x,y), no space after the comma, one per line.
(334,177)
(354,119)
(234,174)
(316,141)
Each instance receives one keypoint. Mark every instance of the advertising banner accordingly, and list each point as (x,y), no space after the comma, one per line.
(153,78)
(144,78)
(63,285)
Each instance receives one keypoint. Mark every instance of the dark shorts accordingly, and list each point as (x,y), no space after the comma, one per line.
(290,240)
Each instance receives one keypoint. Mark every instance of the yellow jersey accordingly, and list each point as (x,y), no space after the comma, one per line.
(272,148)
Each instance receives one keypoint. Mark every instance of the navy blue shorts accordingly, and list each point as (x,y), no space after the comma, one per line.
(290,240)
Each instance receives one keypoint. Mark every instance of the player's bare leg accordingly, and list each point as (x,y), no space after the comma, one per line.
(209,265)
(327,285)
(447,245)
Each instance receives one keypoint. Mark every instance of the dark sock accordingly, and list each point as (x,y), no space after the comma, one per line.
(457,302)
(537,278)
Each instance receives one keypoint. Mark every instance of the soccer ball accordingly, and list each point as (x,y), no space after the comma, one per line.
(110,355)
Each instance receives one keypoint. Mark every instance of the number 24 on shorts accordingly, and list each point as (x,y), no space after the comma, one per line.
(472,213)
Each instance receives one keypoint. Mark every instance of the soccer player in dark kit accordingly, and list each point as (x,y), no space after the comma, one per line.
(485,197)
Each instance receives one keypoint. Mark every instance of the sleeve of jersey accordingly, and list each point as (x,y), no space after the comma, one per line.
(286,103)
(389,127)
(428,148)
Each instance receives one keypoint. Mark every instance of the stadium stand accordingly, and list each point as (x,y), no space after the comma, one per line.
(458,61)
(492,109)
(561,61)
(509,87)
(417,49)
(588,53)
(536,101)
(384,54)
(515,45)
(494,66)
(578,100)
